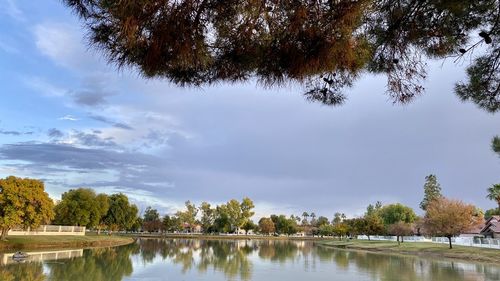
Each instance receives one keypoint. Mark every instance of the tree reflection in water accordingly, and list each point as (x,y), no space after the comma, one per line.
(103,264)
(244,260)
(22,271)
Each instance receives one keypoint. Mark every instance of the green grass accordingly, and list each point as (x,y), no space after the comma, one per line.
(420,249)
(47,241)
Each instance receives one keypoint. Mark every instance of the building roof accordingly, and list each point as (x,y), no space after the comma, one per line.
(493,218)
(475,230)
(492,226)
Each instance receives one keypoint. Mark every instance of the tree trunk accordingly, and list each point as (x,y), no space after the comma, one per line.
(402,239)
(3,236)
(449,239)
(397,237)
(368,237)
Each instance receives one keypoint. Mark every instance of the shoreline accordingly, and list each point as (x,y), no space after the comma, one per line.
(419,250)
(226,237)
(14,243)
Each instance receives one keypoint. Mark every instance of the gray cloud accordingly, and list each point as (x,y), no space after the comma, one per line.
(55,133)
(15,133)
(93,140)
(111,122)
(89,98)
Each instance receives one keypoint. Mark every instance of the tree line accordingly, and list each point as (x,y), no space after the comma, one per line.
(24,203)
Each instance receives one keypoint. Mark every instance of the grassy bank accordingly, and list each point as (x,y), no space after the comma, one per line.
(419,249)
(223,237)
(61,242)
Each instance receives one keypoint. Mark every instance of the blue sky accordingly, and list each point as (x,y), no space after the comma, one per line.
(72,120)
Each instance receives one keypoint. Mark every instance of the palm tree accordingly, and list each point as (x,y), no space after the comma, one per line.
(313,216)
(494,193)
(305,215)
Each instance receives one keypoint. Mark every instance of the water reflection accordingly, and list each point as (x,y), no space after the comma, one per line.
(96,264)
(178,259)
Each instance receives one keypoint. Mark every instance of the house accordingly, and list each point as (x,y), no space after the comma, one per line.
(473,232)
(492,228)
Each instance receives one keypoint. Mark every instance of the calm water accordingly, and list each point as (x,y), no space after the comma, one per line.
(157,259)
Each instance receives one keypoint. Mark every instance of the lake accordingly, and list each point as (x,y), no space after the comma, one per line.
(214,260)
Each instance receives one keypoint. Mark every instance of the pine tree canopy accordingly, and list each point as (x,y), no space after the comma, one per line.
(322,45)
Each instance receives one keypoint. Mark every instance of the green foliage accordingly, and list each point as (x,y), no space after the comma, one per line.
(81,207)
(322,221)
(432,191)
(323,45)
(249,225)
(171,224)
(151,220)
(207,217)
(188,216)
(491,212)
(395,213)
(495,145)
(284,225)
(23,203)
(494,193)
(121,214)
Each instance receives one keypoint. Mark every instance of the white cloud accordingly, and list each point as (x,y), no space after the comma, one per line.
(10,8)
(44,87)
(69,118)
(63,44)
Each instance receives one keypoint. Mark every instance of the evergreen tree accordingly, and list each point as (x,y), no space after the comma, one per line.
(495,145)
(432,191)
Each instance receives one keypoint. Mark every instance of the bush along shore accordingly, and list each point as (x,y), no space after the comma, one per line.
(421,249)
(62,242)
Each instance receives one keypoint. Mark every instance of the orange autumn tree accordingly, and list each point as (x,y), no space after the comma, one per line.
(449,218)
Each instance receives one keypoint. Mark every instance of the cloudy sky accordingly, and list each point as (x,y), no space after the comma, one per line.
(70,119)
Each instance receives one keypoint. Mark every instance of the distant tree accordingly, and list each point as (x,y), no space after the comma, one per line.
(372,225)
(372,210)
(151,220)
(188,216)
(449,218)
(494,193)
(400,229)
(207,217)
(171,223)
(222,222)
(266,226)
(305,216)
(313,218)
(102,201)
(432,191)
(284,225)
(23,203)
(355,226)
(340,229)
(491,212)
(395,213)
(249,225)
(247,212)
(81,207)
(495,144)
(326,230)
(322,221)
(337,218)
(121,214)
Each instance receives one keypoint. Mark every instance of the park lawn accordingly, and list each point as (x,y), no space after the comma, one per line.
(62,241)
(419,249)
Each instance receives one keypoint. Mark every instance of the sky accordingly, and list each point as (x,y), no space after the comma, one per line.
(72,120)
